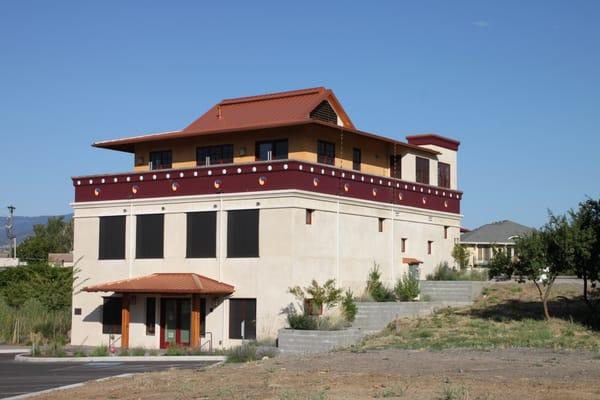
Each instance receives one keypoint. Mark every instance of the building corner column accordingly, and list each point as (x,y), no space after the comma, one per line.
(195,329)
(125,317)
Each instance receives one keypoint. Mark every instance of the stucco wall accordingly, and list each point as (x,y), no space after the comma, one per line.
(343,242)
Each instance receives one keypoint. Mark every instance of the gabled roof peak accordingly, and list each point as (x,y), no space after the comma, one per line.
(273,96)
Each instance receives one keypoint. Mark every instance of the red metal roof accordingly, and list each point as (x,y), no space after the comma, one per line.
(411,261)
(275,108)
(432,138)
(165,283)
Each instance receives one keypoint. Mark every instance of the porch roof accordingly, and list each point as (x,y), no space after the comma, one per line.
(165,283)
(411,261)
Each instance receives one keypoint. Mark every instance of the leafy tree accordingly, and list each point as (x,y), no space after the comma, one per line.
(54,237)
(327,295)
(375,288)
(586,236)
(500,264)
(349,307)
(461,256)
(407,287)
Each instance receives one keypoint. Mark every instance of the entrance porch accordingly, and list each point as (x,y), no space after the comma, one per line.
(181,307)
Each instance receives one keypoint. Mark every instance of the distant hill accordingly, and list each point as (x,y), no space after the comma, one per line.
(23,226)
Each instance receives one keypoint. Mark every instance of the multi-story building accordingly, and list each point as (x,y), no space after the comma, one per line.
(202,239)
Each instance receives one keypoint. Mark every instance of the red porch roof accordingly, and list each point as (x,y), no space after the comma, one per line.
(411,261)
(184,283)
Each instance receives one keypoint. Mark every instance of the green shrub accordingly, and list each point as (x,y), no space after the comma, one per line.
(123,353)
(174,350)
(100,351)
(407,288)
(375,288)
(443,272)
(301,321)
(244,353)
(348,305)
(138,351)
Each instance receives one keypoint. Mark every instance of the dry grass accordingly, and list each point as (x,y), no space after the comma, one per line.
(505,316)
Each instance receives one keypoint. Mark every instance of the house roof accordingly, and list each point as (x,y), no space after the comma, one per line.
(274,110)
(60,257)
(496,232)
(165,283)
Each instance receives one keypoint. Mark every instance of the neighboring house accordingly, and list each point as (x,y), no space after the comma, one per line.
(60,259)
(201,241)
(481,241)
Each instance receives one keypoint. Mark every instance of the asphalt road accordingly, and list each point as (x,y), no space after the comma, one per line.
(18,378)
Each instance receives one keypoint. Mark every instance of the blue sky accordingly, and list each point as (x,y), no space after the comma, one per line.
(517,82)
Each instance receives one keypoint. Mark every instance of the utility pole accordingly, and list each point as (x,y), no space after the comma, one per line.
(12,239)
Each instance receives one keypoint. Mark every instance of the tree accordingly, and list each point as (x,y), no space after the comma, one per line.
(500,264)
(461,256)
(54,237)
(586,232)
(327,295)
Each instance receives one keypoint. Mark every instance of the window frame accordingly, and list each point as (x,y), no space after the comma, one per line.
(114,328)
(150,316)
(163,164)
(103,252)
(422,176)
(403,245)
(309,216)
(429,247)
(194,237)
(444,179)
(356,159)
(274,153)
(138,234)
(224,150)
(231,321)
(245,253)
(325,152)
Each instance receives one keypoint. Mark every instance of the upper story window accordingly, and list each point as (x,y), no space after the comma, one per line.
(160,159)
(396,166)
(201,234)
(356,159)
(422,170)
(242,233)
(209,155)
(325,152)
(112,238)
(149,236)
(443,175)
(272,150)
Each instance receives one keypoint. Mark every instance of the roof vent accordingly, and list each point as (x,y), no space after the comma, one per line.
(324,112)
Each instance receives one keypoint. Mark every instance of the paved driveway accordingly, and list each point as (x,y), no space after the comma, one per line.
(17,378)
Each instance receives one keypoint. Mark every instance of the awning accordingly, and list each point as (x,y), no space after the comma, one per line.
(411,261)
(182,283)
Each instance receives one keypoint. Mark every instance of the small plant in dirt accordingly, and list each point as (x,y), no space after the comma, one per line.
(243,353)
(407,288)
(123,353)
(138,351)
(375,288)
(312,300)
(349,308)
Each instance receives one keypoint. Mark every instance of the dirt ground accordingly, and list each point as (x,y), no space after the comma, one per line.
(390,373)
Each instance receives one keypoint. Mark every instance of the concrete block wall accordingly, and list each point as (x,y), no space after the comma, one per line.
(461,291)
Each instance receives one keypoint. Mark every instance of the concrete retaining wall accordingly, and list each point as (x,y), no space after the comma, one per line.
(462,291)
(298,341)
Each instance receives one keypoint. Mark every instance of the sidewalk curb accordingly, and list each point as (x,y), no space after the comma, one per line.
(15,351)
(107,359)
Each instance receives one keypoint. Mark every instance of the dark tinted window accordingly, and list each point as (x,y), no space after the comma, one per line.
(112,238)
(242,233)
(443,175)
(208,155)
(242,318)
(201,235)
(150,315)
(111,315)
(277,148)
(422,170)
(160,159)
(149,236)
(325,152)
(356,159)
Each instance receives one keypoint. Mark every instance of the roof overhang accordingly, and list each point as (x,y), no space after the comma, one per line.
(128,144)
(411,261)
(173,283)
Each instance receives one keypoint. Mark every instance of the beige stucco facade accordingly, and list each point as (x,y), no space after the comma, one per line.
(343,242)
